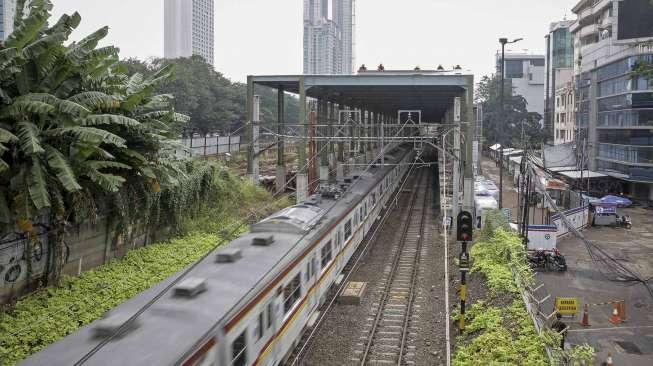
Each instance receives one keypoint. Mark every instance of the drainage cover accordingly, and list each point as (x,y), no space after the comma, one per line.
(629,347)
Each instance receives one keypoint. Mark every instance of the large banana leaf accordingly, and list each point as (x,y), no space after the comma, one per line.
(105,164)
(89,134)
(108,182)
(95,100)
(110,119)
(38,191)
(28,29)
(78,51)
(66,24)
(25,107)
(60,165)
(6,136)
(28,136)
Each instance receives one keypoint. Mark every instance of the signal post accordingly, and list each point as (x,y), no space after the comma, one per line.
(464,231)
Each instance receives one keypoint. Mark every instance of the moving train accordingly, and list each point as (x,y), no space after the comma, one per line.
(249,301)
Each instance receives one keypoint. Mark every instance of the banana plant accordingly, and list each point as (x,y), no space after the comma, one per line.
(74,128)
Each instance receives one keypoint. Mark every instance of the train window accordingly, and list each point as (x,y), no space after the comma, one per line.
(291,293)
(360,213)
(270,314)
(307,275)
(347,229)
(373,199)
(314,265)
(260,322)
(239,350)
(365,211)
(326,254)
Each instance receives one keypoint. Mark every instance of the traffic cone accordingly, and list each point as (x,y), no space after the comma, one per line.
(615,318)
(586,316)
(622,310)
(608,361)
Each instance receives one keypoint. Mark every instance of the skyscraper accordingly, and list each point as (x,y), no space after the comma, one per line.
(328,36)
(559,97)
(7,13)
(189,29)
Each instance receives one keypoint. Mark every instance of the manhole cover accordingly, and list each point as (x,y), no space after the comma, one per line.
(629,347)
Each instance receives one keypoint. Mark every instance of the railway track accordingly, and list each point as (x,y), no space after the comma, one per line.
(304,344)
(387,334)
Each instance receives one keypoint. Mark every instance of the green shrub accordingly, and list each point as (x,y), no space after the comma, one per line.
(52,313)
(506,335)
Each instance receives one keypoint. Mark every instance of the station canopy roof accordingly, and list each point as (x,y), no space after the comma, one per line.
(432,92)
(577,174)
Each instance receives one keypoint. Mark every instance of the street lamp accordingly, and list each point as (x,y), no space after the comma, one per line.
(504,42)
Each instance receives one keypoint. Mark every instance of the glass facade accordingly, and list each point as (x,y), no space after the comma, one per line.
(2,20)
(624,104)
(562,49)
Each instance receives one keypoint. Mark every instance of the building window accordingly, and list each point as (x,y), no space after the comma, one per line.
(514,69)
(291,293)
(239,350)
(326,254)
(537,62)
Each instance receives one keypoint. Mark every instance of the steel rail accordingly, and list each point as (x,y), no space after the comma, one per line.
(393,271)
(356,260)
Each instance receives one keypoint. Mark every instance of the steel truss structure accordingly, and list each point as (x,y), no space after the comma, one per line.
(349,121)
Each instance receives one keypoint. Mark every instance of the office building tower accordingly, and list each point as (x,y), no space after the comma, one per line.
(525,72)
(559,97)
(328,36)
(7,13)
(614,105)
(189,29)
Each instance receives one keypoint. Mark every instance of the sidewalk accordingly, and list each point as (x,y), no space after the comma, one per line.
(630,343)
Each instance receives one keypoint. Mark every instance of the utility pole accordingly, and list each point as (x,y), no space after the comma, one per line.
(504,42)
(455,199)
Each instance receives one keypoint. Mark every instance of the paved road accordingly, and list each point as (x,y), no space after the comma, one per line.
(632,342)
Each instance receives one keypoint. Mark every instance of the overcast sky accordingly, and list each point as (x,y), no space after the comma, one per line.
(265,36)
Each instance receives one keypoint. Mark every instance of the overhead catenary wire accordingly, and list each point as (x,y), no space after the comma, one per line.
(609,266)
(174,282)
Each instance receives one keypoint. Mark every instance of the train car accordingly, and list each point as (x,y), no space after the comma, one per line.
(249,301)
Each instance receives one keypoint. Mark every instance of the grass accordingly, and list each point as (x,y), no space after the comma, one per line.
(50,314)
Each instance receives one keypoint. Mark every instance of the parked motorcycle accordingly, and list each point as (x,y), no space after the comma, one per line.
(548,260)
(625,222)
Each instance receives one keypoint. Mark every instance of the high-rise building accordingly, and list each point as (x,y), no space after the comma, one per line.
(558,88)
(189,29)
(7,13)
(615,106)
(328,36)
(526,74)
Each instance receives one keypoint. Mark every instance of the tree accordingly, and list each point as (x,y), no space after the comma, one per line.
(644,69)
(213,102)
(514,122)
(74,128)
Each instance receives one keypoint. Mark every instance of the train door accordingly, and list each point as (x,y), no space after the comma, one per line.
(311,276)
(274,317)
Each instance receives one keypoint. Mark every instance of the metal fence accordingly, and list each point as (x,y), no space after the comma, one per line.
(209,145)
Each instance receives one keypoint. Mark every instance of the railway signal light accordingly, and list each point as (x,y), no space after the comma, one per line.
(464,226)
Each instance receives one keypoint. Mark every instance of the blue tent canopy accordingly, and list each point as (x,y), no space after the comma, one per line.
(616,200)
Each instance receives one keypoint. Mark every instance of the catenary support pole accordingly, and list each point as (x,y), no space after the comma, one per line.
(302,177)
(281,129)
(252,170)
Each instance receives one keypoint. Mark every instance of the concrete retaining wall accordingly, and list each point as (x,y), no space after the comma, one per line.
(89,245)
